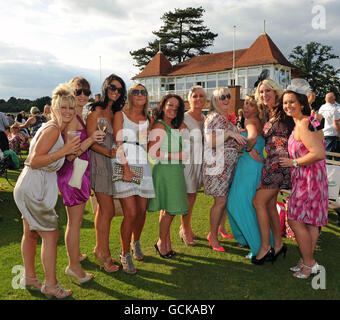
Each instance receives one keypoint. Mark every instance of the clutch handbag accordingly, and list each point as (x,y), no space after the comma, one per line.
(118,172)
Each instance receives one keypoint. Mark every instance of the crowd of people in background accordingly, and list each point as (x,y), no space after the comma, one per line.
(158,162)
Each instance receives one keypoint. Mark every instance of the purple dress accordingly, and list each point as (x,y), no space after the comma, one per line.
(73,196)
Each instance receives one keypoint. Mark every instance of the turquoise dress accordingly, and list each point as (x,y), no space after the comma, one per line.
(241,213)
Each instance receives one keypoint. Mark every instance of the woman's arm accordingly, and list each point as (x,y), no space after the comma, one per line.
(251,128)
(312,140)
(47,139)
(91,127)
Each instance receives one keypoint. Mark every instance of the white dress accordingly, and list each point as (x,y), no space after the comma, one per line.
(36,191)
(135,155)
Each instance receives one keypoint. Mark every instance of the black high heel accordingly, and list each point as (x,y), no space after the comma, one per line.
(269,256)
(283,250)
(164,256)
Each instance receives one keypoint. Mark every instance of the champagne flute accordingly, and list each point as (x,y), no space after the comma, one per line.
(102,124)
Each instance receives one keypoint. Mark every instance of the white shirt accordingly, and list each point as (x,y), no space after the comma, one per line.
(330,112)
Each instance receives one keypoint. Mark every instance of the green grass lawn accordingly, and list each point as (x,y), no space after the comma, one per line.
(196,273)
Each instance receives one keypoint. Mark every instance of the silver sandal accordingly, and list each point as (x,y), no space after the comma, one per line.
(137,250)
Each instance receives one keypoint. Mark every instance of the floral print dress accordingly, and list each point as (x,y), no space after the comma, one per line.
(274,176)
(219,163)
(308,201)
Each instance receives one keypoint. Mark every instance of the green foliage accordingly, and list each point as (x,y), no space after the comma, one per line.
(17,104)
(314,60)
(181,37)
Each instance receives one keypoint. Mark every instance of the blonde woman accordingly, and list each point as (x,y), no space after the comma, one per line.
(275,132)
(130,131)
(36,193)
(241,213)
(74,198)
(194,120)
(222,142)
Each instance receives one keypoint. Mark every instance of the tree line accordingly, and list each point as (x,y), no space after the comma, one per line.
(17,104)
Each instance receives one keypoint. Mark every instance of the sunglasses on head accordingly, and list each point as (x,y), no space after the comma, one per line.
(225,96)
(136,92)
(113,87)
(86,92)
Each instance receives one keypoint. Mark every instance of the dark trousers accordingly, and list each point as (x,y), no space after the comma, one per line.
(331,144)
(4,145)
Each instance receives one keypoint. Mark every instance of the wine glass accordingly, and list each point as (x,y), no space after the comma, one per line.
(102,124)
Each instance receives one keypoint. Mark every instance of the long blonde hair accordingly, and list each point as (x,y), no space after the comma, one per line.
(272,85)
(129,96)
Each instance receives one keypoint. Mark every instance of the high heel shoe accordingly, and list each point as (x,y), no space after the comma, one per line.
(127,263)
(164,256)
(70,273)
(269,256)
(136,250)
(184,239)
(57,291)
(297,267)
(283,250)
(220,248)
(225,235)
(314,270)
(106,263)
(34,283)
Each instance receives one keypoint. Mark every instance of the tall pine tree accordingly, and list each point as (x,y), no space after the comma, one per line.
(182,36)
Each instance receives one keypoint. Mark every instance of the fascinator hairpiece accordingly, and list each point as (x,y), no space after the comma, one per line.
(300,86)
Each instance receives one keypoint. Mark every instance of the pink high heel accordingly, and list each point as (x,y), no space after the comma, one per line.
(225,235)
(220,249)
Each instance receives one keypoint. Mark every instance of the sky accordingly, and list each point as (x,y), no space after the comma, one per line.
(47,42)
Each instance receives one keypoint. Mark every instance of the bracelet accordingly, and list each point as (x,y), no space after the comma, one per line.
(51,157)
(81,150)
(248,150)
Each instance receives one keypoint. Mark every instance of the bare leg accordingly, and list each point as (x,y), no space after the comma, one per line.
(223,222)
(128,223)
(72,234)
(104,215)
(49,255)
(28,249)
(186,219)
(275,223)
(216,213)
(261,200)
(164,242)
(141,204)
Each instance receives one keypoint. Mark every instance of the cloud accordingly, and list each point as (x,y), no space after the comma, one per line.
(51,41)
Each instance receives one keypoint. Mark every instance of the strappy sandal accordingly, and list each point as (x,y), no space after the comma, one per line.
(56,291)
(314,270)
(106,263)
(29,283)
(297,268)
(137,250)
(127,263)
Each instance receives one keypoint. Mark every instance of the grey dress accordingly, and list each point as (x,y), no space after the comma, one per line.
(193,170)
(36,191)
(101,168)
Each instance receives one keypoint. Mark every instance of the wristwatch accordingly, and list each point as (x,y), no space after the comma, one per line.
(295,164)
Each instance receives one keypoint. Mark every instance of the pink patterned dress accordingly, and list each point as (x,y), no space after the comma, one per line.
(219,163)
(308,202)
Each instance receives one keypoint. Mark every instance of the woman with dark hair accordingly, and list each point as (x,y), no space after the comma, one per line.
(112,100)
(168,176)
(308,201)
(75,198)
(130,130)
(275,132)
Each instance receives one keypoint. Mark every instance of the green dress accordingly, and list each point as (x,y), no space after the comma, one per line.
(168,178)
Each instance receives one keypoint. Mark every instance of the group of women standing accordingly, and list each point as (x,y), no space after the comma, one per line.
(187,150)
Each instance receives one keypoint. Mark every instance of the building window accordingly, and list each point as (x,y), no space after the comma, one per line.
(283,78)
(180,85)
(276,75)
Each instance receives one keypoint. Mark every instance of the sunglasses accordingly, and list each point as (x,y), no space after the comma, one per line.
(225,96)
(136,92)
(113,87)
(86,92)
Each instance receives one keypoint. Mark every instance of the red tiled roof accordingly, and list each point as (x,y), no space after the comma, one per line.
(262,51)
(158,66)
